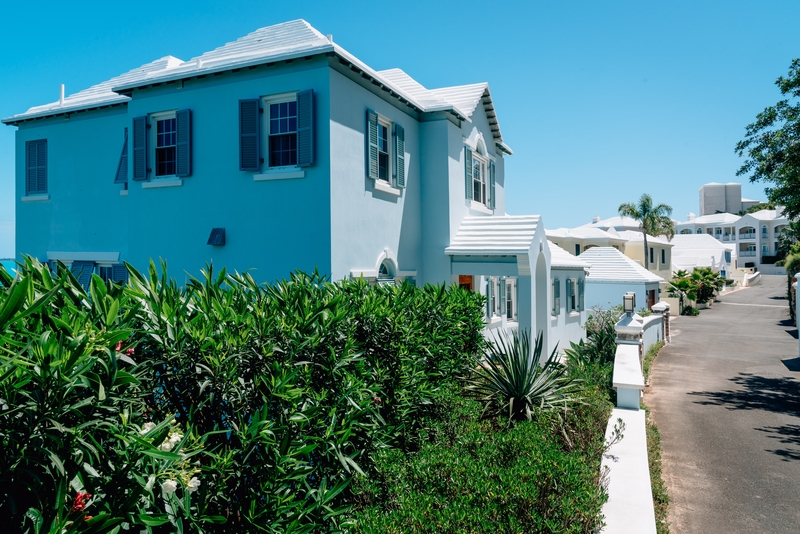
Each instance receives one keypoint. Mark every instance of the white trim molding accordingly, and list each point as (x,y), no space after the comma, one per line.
(381,185)
(285,175)
(36,198)
(97,257)
(160,182)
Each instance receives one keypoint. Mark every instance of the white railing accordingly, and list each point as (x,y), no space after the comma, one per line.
(747,235)
(747,253)
(726,237)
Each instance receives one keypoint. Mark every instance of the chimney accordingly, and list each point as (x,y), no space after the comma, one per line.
(595,219)
(330,37)
(61,98)
(690,217)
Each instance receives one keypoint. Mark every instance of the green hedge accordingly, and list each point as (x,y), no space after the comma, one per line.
(221,406)
(491,476)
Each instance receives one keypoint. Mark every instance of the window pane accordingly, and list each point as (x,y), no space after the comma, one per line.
(283,150)
(292,124)
(293,108)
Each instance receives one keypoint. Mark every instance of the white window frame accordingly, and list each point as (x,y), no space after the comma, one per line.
(154,118)
(386,123)
(266,102)
(483,178)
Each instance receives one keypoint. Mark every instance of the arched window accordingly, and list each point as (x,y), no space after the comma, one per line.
(699,230)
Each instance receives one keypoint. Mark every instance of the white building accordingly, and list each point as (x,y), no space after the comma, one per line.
(612,274)
(568,294)
(701,250)
(578,240)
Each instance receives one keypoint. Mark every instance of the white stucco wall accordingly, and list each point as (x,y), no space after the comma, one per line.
(566,327)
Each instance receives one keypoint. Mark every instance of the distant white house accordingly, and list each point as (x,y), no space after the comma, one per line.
(612,274)
(701,250)
(659,251)
(568,289)
(578,240)
(617,222)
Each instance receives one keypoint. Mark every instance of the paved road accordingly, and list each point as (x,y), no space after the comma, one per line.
(726,397)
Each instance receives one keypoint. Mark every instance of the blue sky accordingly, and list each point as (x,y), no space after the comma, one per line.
(601,101)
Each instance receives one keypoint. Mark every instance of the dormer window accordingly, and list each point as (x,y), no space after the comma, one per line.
(480,176)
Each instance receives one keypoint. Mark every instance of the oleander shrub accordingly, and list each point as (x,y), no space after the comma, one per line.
(219,406)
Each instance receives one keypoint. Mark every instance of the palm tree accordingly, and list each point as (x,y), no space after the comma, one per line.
(653,220)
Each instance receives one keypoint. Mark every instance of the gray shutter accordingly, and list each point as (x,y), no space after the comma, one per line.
(556,296)
(83,272)
(399,156)
(31,149)
(489,297)
(122,166)
(580,294)
(305,128)
(502,310)
(570,293)
(250,135)
(119,273)
(491,185)
(140,169)
(468,171)
(36,167)
(41,164)
(183,148)
(372,144)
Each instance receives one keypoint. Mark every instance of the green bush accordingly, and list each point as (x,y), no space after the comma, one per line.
(241,407)
(479,475)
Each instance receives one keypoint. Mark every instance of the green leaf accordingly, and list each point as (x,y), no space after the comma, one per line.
(151,520)
(36,518)
(162,455)
(57,461)
(216,519)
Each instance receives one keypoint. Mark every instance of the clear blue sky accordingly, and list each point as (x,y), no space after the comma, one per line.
(601,101)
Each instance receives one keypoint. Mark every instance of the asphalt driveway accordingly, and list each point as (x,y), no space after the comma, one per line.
(726,398)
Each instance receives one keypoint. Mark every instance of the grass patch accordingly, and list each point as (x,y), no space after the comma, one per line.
(659,488)
(651,354)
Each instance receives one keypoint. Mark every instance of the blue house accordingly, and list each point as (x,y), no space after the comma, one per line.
(275,152)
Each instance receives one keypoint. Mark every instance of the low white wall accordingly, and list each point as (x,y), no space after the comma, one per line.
(652,331)
(771,269)
(629,509)
(751,279)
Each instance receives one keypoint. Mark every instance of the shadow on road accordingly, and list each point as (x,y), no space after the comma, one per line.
(788,324)
(787,435)
(793,365)
(756,393)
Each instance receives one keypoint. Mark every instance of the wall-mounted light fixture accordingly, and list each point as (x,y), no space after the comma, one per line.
(217,237)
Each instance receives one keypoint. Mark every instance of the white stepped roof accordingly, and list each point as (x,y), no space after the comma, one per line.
(766,215)
(614,222)
(697,250)
(586,234)
(297,39)
(503,235)
(98,95)
(716,218)
(561,258)
(633,235)
(608,264)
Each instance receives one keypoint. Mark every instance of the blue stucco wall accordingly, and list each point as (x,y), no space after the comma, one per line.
(365,221)
(85,211)
(607,295)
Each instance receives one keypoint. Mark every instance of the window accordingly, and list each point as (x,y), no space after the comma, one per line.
(36,167)
(478,179)
(288,122)
(577,250)
(571,301)
(166,140)
(510,299)
(651,255)
(162,145)
(699,231)
(122,167)
(663,257)
(282,117)
(479,171)
(385,150)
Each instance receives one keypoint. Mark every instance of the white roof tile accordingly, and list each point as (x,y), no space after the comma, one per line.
(97,95)
(698,250)
(716,218)
(289,40)
(633,235)
(608,264)
(502,235)
(561,258)
(614,222)
(586,234)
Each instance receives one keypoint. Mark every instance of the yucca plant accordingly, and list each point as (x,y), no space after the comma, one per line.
(511,379)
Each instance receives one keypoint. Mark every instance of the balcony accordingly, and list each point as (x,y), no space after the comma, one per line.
(747,235)
(726,237)
(747,253)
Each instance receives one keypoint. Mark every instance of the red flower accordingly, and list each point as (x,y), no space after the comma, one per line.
(87,517)
(119,346)
(80,501)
